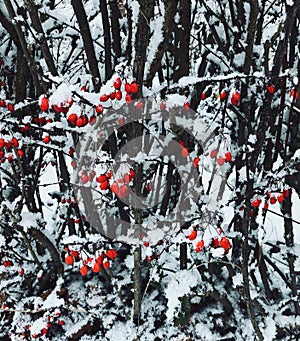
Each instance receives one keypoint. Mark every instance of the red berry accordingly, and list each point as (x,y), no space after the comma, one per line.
(228,157)
(128,99)
(115,188)
(21,271)
(10,107)
(270,89)
(2,103)
(123,192)
(101,178)
(69,260)
(184,152)
(72,118)
(266,205)
(99,109)
(46,139)
(203,95)
(196,162)
(235,98)
(286,192)
(294,94)
(84,270)
(127,179)
(10,158)
(273,199)
(44,331)
(118,95)
(112,254)
(83,88)
(225,243)
(15,142)
(20,152)
(121,121)
(220,161)
(134,88)
(112,95)
(215,243)
(104,98)
(84,178)
(131,173)
(280,197)
(96,267)
(92,120)
(255,202)
(128,87)
(106,265)
(186,106)
(139,105)
(146,244)
(2,143)
(163,106)
(223,95)
(73,164)
(117,83)
(57,108)
(61,322)
(192,235)
(104,185)
(74,253)
(213,153)
(199,245)
(44,104)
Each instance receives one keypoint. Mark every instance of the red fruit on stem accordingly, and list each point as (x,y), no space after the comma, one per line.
(270,89)
(99,109)
(139,105)
(131,173)
(118,95)
(74,253)
(84,270)
(121,121)
(2,142)
(294,94)
(286,192)
(84,178)
(186,106)
(128,87)
(106,264)
(104,185)
(44,331)
(192,235)
(266,206)
(123,192)
(280,197)
(61,322)
(104,98)
(101,178)
(255,202)
(163,106)
(220,161)
(96,267)
(228,157)
(126,179)
(112,95)
(2,154)
(223,95)
(115,188)
(146,244)
(213,153)
(117,83)
(92,120)
(235,98)
(109,174)
(10,107)
(128,99)
(57,108)
(69,260)
(20,152)
(79,122)
(10,158)
(225,243)
(73,164)
(46,139)
(203,96)
(15,142)
(2,103)
(196,162)
(215,243)
(199,245)
(72,118)
(112,254)
(134,88)
(184,152)
(83,88)
(44,104)
(273,200)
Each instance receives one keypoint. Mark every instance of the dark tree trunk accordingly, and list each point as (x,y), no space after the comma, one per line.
(107,39)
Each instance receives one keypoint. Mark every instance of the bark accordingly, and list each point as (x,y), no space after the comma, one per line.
(36,23)
(167,28)
(39,86)
(115,30)
(107,39)
(142,40)
(87,42)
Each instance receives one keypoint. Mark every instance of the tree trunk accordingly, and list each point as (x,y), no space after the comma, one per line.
(87,42)
(107,40)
